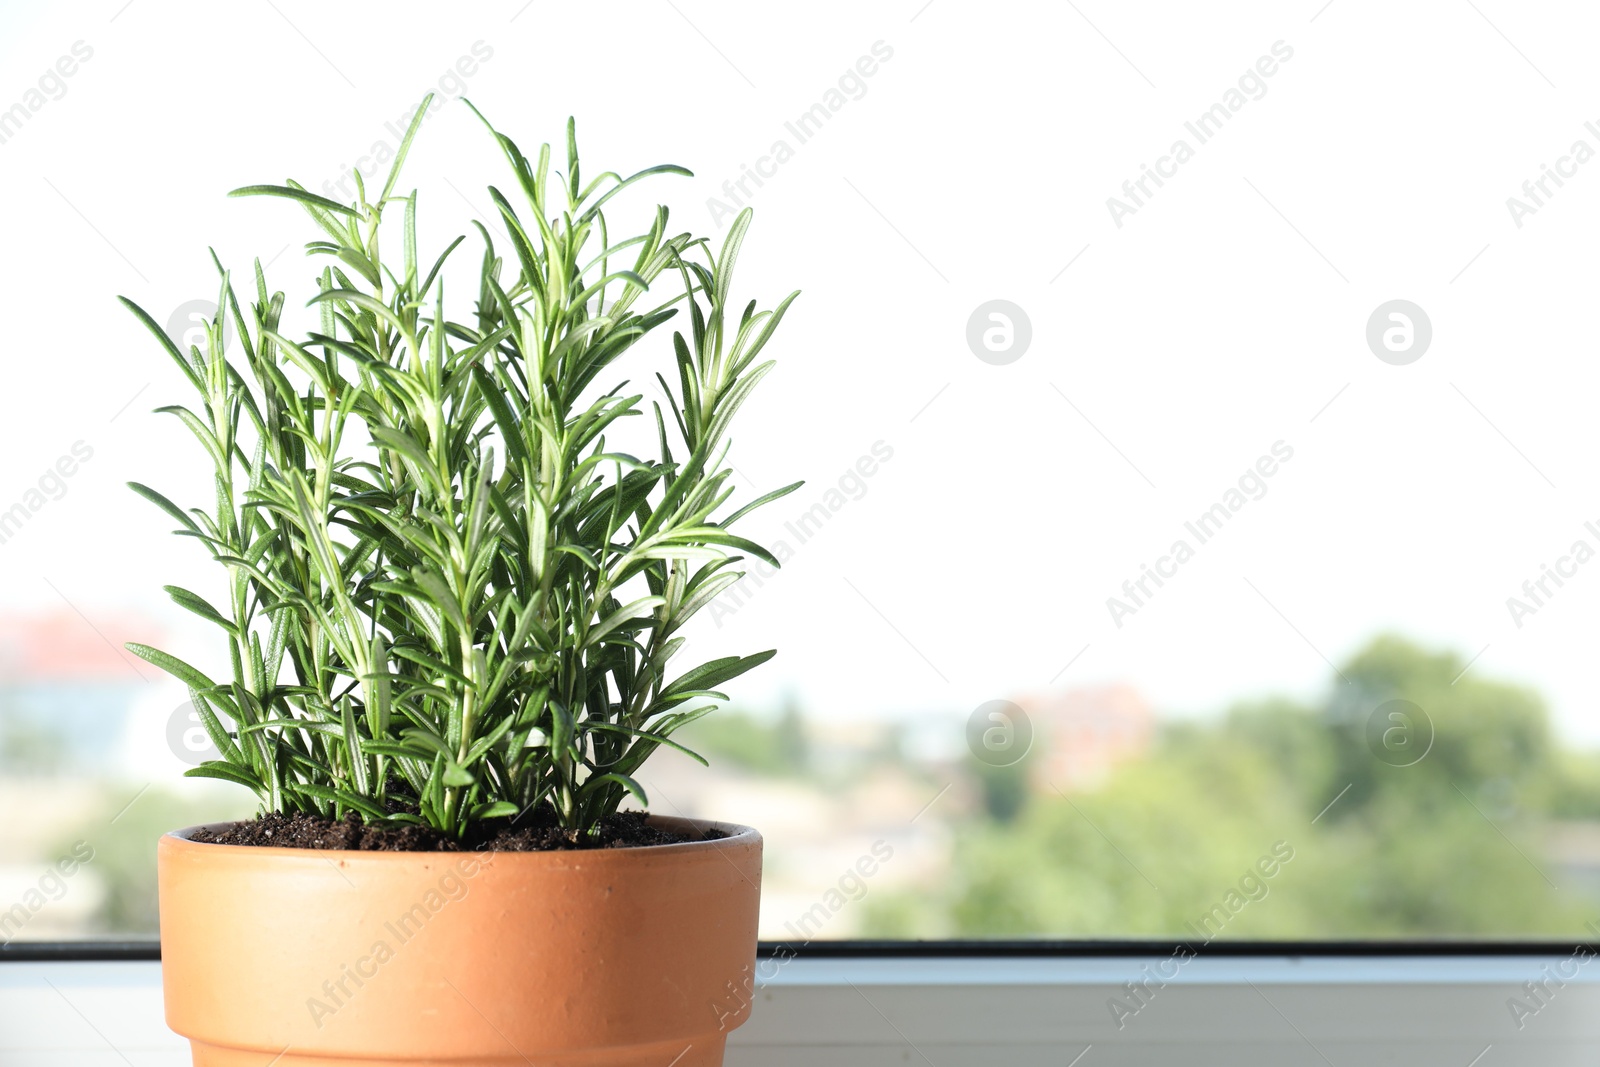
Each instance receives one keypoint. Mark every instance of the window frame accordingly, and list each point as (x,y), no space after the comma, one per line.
(973,1002)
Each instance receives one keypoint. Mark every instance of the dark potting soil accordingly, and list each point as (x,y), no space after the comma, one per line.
(536,833)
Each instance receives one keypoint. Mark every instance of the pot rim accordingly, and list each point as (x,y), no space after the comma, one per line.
(737,835)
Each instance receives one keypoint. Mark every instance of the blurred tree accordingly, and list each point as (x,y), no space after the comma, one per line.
(765,745)
(124,860)
(1409,820)
(1004,789)
(1573,788)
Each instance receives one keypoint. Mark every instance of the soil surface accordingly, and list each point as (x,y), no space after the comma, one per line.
(536,833)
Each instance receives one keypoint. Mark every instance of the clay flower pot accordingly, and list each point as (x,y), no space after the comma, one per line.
(316,958)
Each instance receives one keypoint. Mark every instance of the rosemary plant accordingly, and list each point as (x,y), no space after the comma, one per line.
(476,599)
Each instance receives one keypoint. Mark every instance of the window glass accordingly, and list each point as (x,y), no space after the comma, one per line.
(1198,537)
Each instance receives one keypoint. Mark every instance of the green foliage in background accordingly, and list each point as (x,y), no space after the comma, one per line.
(763,745)
(449,600)
(124,864)
(1003,790)
(1453,845)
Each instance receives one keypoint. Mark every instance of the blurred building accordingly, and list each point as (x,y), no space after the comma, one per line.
(1572,848)
(68,694)
(1082,735)
(67,690)
(845,823)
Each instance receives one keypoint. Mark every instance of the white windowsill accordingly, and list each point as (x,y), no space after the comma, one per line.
(1416,1011)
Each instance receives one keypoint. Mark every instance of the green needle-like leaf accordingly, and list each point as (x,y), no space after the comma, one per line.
(445,593)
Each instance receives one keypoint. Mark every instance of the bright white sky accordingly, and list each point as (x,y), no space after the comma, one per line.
(1227,314)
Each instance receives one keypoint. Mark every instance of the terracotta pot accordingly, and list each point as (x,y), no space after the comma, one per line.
(604,958)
